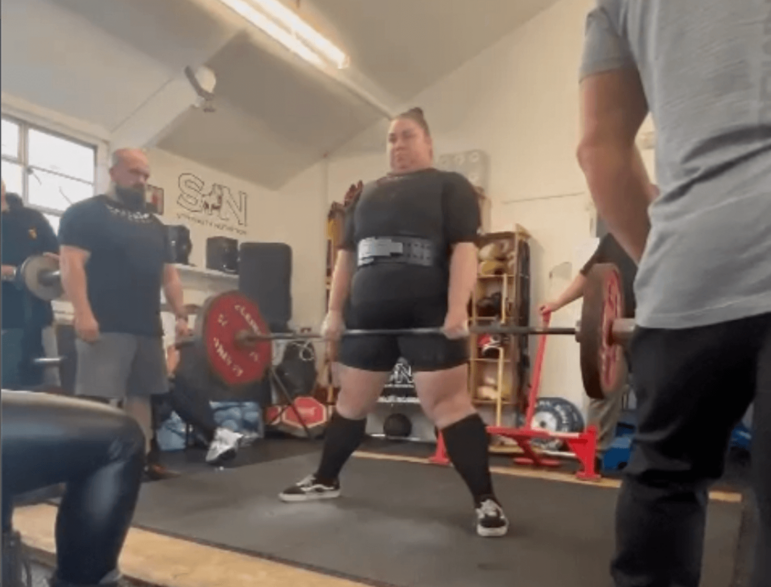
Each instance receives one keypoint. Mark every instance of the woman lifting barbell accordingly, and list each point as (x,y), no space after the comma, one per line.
(408,260)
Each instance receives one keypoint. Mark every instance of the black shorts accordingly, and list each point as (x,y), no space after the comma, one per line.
(379,353)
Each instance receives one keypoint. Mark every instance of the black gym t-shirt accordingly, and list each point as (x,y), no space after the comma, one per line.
(435,205)
(128,251)
(25,232)
(609,251)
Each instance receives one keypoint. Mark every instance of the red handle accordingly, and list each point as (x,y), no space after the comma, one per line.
(535,382)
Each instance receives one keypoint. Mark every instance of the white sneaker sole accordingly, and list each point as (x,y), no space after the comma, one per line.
(222,457)
(492,532)
(290,498)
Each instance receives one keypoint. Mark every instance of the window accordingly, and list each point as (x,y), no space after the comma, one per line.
(49,171)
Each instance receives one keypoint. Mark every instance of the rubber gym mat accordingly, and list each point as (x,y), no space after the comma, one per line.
(410,525)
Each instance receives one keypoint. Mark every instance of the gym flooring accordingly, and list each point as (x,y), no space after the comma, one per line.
(400,523)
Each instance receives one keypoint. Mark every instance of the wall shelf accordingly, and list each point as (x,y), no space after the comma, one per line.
(206,277)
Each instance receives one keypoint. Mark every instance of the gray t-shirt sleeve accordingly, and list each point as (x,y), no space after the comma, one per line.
(605,49)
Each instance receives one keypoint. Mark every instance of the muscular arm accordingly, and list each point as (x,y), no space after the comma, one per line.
(463,275)
(72,263)
(341,280)
(173,290)
(613,107)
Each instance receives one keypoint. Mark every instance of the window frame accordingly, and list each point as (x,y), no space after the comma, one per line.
(23,159)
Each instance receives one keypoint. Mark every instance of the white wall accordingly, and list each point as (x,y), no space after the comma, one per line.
(295,216)
(343,171)
(518,101)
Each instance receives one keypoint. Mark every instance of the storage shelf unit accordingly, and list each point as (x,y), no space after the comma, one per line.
(498,379)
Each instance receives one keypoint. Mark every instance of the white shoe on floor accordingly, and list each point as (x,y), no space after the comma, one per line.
(224,446)
(491,520)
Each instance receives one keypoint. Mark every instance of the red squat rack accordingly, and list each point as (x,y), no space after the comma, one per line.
(583,444)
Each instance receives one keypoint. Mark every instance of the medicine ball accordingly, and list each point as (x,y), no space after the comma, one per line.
(397,426)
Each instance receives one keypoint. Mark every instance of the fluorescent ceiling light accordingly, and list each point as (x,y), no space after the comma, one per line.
(296,35)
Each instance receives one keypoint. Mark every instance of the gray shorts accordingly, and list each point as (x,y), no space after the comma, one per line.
(121,365)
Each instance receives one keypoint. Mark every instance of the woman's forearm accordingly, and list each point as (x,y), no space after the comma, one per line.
(573,292)
(341,281)
(463,275)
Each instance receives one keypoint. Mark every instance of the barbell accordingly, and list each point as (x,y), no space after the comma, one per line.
(237,343)
(15,364)
(40,276)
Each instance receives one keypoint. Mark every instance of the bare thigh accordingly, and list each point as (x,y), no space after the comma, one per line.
(444,395)
(359,391)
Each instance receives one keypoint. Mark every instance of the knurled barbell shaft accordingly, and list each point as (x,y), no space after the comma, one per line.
(620,332)
(501,330)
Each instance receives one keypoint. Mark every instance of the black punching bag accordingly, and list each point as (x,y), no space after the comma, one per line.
(265,276)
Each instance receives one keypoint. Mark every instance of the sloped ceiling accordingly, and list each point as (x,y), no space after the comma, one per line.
(100,60)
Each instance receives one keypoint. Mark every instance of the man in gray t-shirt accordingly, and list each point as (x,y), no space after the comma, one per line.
(702,352)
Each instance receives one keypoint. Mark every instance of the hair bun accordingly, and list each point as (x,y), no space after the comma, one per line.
(417,110)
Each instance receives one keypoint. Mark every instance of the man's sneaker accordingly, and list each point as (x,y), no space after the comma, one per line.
(224,446)
(309,489)
(491,521)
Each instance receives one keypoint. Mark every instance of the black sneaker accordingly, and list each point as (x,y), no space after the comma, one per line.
(309,489)
(16,569)
(491,521)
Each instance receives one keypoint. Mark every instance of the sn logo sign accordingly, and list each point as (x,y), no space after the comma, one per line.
(220,201)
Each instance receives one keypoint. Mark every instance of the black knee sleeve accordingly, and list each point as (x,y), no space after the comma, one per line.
(343,437)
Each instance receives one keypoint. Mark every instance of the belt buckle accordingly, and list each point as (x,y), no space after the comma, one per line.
(372,248)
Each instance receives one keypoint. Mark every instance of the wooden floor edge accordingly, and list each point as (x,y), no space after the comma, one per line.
(719,496)
(155,559)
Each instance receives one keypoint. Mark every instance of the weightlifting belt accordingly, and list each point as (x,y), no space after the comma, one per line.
(407,250)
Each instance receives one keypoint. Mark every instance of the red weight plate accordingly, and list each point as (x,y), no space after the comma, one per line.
(603,366)
(221,317)
(312,412)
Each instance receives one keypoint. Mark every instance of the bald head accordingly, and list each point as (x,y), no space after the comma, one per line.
(129,172)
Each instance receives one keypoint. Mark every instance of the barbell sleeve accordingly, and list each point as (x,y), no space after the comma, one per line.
(50,277)
(47,361)
(622,330)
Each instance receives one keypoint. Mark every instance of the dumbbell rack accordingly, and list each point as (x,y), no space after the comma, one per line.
(583,444)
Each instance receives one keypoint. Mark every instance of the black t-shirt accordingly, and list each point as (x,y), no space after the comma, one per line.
(128,252)
(25,232)
(435,205)
(609,251)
